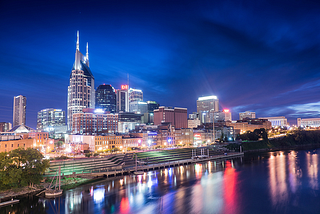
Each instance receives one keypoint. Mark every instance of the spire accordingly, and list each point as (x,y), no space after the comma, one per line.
(77,40)
(87,52)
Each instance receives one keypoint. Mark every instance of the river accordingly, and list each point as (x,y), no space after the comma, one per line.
(270,182)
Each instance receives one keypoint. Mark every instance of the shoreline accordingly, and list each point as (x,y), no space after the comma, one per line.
(303,146)
(26,191)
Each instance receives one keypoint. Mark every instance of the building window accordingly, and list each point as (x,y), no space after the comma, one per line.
(11,145)
(18,145)
(5,146)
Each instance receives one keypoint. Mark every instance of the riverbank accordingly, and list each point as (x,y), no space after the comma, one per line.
(297,139)
(305,146)
(66,184)
(19,192)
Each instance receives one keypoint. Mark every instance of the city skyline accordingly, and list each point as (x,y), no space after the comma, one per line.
(260,57)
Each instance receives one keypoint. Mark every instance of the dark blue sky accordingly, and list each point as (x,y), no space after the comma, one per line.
(261,56)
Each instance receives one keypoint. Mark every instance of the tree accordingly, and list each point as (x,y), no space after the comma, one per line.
(21,167)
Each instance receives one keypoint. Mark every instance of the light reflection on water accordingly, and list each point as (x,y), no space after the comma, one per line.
(274,182)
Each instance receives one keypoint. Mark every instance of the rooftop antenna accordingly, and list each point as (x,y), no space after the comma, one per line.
(128,80)
(87,52)
(77,40)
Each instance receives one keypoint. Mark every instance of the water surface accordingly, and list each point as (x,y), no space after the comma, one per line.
(272,182)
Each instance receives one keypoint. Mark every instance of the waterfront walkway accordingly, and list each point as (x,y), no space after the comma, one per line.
(156,166)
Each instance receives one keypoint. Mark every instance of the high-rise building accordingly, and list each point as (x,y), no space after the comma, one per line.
(19,110)
(247,114)
(206,106)
(81,92)
(122,99)
(49,118)
(5,126)
(224,115)
(178,117)
(152,105)
(106,98)
(139,107)
(135,95)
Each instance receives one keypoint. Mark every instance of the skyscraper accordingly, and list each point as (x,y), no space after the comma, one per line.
(106,98)
(81,92)
(135,95)
(19,110)
(123,99)
(206,106)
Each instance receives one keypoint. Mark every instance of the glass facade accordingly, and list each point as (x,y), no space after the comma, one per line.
(106,98)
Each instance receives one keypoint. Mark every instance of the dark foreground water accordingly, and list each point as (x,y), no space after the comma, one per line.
(273,182)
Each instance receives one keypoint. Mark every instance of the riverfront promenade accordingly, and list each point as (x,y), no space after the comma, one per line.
(156,166)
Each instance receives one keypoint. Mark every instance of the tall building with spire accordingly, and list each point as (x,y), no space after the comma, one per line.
(81,93)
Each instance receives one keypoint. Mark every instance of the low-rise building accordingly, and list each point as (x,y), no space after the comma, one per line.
(9,145)
(193,123)
(108,142)
(308,122)
(79,139)
(248,124)
(247,114)
(277,121)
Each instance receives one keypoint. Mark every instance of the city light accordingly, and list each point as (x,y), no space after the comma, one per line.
(207,98)
(98,111)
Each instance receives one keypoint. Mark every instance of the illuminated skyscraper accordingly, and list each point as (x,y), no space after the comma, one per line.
(135,95)
(206,106)
(19,110)
(122,99)
(81,93)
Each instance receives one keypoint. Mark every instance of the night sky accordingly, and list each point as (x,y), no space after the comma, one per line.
(261,56)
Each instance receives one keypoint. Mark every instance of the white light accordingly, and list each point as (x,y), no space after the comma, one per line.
(207,98)
(98,110)
(98,195)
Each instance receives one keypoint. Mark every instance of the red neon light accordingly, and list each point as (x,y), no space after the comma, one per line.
(226,110)
(197,135)
(124,87)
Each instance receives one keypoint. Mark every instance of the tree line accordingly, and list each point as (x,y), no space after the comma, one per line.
(21,167)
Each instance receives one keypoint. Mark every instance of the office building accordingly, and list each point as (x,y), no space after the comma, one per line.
(205,108)
(247,114)
(178,117)
(49,118)
(135,95)
(5,126)
(193,123)
(152,105)
(224,115)
(106,98)
(19,110)
(139,107)
(81,92)
(122,98)
(128,121)
(93,122)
